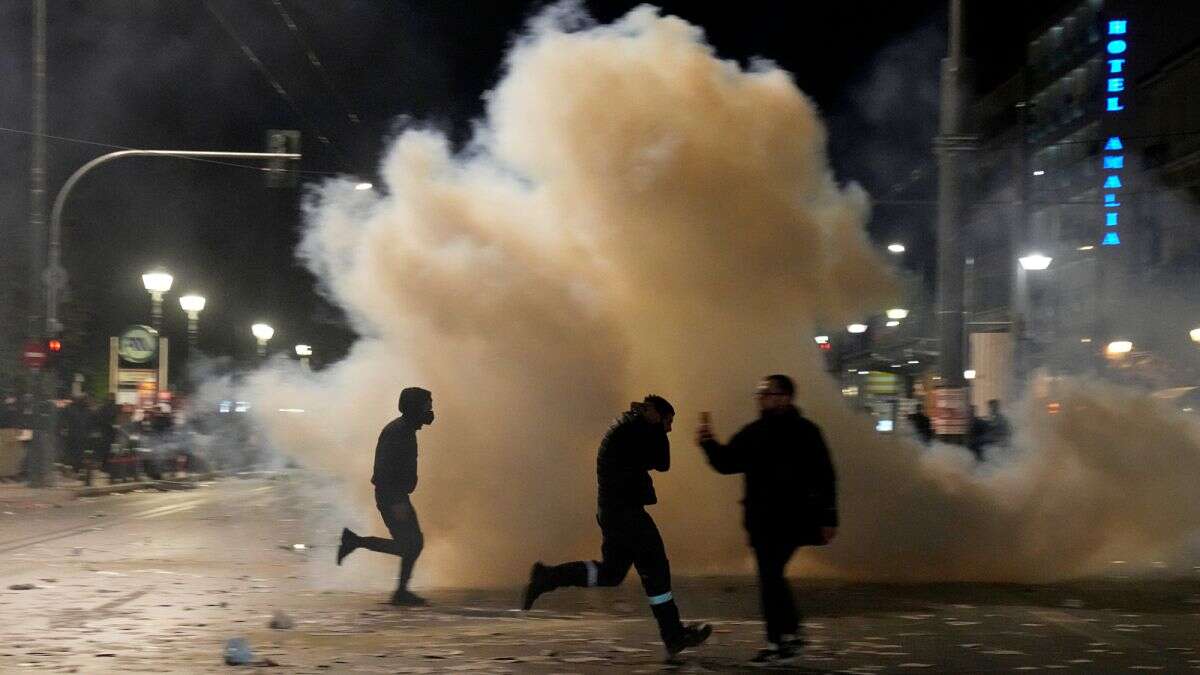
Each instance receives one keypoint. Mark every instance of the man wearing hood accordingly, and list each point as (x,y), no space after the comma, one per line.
(790,499)
(395,478)
(636,444)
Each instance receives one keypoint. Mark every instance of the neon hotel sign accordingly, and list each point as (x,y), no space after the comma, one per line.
(1116,48)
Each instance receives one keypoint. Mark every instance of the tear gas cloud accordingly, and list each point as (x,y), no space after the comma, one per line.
(636,215)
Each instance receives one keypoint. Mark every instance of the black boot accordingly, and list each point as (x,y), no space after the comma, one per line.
(349,543)
(539,583)
(691,635)
(406,598)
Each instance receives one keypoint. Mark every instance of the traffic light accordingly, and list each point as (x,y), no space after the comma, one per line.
(53,346)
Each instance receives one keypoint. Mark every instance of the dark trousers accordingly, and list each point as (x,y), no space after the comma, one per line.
(778,604)
(406,542)
(630,539)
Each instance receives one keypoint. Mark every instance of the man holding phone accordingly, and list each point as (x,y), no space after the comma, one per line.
(636,444)
(790,500)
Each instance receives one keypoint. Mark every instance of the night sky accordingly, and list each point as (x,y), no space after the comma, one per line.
(176,74)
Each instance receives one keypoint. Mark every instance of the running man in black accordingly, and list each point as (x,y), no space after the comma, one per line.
(634,445)
(395,478)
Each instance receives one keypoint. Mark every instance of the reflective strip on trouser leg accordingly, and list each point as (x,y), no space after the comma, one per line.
(593,574)
(660,599)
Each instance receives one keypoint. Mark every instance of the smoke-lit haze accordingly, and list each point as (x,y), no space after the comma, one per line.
(639,216)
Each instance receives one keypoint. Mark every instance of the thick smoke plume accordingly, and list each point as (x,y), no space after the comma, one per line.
(636,215)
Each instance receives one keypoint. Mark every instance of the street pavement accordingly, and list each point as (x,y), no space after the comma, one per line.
(159,581)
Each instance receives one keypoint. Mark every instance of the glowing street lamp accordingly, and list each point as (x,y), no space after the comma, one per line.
(897,313)
(303,351)
(193,304)
(857,328)
(363,186)
(263,334)
(896,248)
(1118,348)
(1194,334)
(969,374)
(1035,262)
(821,339)
(157,282)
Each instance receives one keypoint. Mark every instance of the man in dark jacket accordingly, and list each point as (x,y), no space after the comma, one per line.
(790,499)
(395,478)
(636,444)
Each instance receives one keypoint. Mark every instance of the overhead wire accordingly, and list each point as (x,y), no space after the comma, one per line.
(315,61)
(272,81)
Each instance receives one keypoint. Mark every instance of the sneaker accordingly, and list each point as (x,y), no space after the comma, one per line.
(692,635)
(773,654)
(349,543)
(538,584)
(404,598)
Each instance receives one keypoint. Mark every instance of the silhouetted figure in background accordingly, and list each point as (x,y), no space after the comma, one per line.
(790,500)
(636,444)
(977,434)
(395,478)
(998,427)
(921,424)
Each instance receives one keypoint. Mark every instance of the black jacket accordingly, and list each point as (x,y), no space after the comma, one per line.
(396,458)
(790,483)
(630,449)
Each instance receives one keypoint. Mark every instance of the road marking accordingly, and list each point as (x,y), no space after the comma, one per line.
(168,510)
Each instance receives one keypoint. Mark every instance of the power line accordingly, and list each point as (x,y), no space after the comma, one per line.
(272,80)
(315,62)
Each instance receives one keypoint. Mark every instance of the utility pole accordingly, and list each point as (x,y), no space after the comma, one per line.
(952,147)
(44,448)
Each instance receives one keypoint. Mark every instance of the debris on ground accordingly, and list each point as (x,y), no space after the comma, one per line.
(22,587)
(282,621)
(237,652)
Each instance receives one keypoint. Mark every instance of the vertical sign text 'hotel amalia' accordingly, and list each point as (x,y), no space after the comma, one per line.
(1116,49)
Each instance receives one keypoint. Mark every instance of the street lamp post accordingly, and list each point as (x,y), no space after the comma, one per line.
(157,283)
(193,304)
(304,352)
(263,334)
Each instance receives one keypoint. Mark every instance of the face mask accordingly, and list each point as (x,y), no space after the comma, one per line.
(428,419)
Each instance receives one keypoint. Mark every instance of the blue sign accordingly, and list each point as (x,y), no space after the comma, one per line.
(1114,91)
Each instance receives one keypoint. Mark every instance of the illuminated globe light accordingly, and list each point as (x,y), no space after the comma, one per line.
(857,328)
(1119,348)
(157,281)
(1194,334)
(896,248)
(1035,261)
(262,332)
(897,313)
(192,303)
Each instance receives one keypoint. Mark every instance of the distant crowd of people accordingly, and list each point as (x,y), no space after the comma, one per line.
(93,435)
(982,432)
